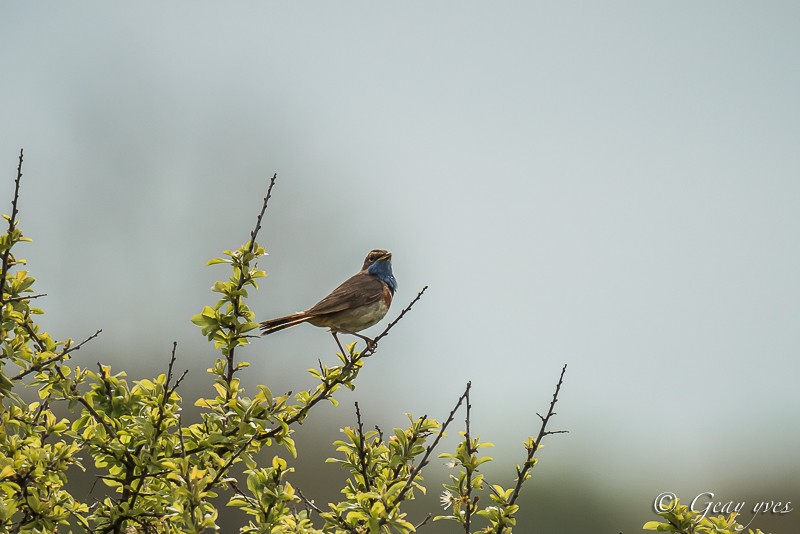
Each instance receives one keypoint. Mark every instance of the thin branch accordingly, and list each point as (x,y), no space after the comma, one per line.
(470,451)
(537,443)
(179,380)
(309,503)
(26,324)
(180,437)
(362,452)
(424,521)
(12,223)
(229,463)
(25,297)
(177,383)
(97,417)
(168,391)
(42,407)
(242,275)
(61,355)
(254,233)
(430,448)
(253,502)
(371,349)
(171,364)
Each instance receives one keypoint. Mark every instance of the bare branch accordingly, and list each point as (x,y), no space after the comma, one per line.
(372,348)
(430,448)
(309,503)
(172,359)
(26,297)
(537,443)
(254,233)
(424,521)
(12,223)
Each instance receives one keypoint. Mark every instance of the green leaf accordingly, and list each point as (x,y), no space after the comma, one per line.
(660,527)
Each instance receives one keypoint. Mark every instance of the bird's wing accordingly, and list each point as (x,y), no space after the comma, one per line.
(361,289)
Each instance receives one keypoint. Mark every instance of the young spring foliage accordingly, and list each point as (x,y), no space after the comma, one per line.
(158,473)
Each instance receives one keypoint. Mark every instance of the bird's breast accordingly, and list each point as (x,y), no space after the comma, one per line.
(373,313)
(387,297)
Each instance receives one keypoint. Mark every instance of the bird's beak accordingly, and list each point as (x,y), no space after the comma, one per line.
(387,256)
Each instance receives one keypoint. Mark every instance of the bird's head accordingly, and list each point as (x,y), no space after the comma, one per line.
(377,255)
(378,263)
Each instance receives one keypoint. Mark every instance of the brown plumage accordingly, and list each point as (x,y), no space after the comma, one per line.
(358,303)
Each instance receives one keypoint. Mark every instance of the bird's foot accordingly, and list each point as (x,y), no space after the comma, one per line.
(371,345)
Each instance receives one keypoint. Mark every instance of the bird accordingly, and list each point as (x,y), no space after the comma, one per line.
(359,302)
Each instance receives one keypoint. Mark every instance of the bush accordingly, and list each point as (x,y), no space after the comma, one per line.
(164,474)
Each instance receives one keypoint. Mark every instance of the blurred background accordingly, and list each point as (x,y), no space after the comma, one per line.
(611,185)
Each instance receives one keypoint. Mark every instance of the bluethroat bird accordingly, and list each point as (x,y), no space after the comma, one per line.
(358,303)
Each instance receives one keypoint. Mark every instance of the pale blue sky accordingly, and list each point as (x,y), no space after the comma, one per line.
(612,185)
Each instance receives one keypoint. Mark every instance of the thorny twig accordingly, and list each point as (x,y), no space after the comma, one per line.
(537,443)
(12,224)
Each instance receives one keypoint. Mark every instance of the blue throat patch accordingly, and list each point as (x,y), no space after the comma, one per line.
(382,270)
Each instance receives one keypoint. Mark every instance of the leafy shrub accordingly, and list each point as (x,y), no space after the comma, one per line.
(166,475)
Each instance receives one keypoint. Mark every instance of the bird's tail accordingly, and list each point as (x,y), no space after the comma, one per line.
(273,325)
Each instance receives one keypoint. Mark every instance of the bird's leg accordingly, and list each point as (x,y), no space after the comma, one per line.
(370,342)
(333,332)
